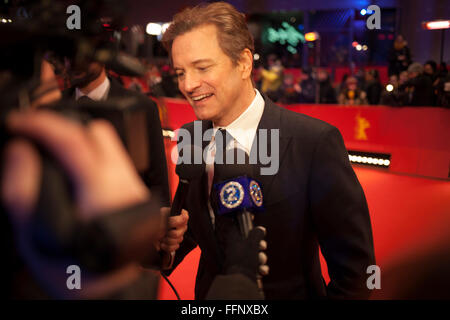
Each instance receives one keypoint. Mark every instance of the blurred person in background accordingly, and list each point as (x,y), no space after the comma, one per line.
(430,70)
(289,92)
(372,86)
(169,83)
(441,86)
(418,87)
(360,75)
(392,95)
(326,90)
(352,95)
(402,77)
(342,84)
(399,56)
(91,82)
(272,77)
(307,86)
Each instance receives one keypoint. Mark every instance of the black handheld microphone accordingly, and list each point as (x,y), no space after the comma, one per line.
(186,172)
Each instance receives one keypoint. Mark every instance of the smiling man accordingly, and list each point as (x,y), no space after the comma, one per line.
(314,198)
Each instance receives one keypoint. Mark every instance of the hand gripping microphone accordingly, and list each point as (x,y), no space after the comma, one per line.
(186,171)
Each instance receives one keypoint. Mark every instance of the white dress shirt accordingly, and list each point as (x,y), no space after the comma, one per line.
(243,130)
(98,94)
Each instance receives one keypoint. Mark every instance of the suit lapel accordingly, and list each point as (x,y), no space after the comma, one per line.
(115,88)
(271,119)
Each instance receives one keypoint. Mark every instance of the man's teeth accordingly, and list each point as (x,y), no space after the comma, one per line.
(198,98)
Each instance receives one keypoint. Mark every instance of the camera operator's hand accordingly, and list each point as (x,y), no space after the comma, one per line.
(94,158)
(104,180)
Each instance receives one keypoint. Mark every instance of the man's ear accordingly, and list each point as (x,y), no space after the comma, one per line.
(246,63)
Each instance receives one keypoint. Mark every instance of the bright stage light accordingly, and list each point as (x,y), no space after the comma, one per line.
(153,29)
(438,24)
(311,36)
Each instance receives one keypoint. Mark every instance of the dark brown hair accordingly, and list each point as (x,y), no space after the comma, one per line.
(232,31)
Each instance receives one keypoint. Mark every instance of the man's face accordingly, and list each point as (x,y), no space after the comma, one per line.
(83,76)
(412,75)
(207,77)
(403,77)
(428,69)
(322,75)
(393,80)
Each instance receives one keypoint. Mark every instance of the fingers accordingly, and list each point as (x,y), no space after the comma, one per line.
(106,139)
(177,226)
(175,233)
(165,211)
(88,155)
(21,179)
(64,138)
(179,221)
(264,270)
(262,257)
(257,236)
(169,248)
(262,245)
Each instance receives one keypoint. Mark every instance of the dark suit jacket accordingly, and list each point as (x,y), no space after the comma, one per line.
(156,176)
(314,199)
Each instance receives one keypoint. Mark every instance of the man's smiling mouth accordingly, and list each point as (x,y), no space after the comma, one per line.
(201,97)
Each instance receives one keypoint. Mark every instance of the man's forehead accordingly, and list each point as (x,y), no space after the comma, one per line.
(197,46)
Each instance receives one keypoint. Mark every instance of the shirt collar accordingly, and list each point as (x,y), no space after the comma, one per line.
(243,129)
(98,94)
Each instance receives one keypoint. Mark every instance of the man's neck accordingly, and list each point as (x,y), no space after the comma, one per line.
(243,103)
(94,84)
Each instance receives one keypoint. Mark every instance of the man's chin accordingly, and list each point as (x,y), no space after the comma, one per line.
(202,115)
(79,82)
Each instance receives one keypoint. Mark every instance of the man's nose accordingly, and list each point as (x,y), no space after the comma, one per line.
(191,82)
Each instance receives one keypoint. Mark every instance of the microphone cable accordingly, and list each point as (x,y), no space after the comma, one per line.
(171,285)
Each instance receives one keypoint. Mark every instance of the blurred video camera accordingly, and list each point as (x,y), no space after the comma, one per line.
(44,33)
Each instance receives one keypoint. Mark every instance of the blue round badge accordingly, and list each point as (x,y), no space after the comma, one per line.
(256,193)
(232,194)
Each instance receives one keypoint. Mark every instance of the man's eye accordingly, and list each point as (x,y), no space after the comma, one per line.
(203,68)
(179,75)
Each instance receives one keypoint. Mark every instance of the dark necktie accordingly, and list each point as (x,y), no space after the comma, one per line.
(84,99)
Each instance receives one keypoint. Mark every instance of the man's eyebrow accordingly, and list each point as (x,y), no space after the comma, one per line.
(199,61)
(202,61)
